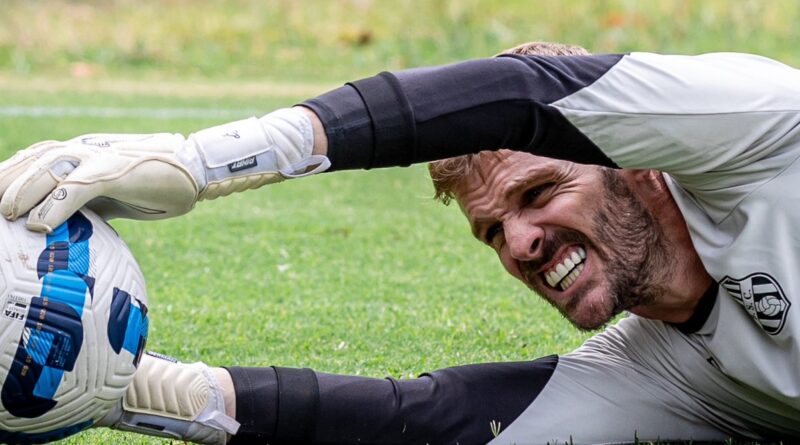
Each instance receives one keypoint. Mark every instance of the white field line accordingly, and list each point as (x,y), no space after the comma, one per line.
(191,88)
(128,113)
(152,87)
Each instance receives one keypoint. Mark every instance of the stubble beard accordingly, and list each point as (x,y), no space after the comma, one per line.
(632,248)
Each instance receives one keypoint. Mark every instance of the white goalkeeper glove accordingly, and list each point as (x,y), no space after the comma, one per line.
(154,176)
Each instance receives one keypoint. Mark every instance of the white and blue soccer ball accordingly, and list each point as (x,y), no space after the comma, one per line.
(73,324)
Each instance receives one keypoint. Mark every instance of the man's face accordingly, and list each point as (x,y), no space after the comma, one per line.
(575,234)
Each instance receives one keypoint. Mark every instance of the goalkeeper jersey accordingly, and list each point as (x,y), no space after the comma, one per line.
(725,130)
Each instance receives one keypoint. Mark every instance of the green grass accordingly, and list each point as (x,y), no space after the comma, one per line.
(358,273)
(336,40)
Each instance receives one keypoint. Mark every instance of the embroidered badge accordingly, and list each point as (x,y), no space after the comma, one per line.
(762,298)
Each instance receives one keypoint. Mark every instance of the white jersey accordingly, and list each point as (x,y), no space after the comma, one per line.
(725,129)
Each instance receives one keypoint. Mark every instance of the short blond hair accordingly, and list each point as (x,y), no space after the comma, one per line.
(447,174)
(547,49)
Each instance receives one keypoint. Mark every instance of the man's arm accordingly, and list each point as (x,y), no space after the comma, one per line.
(320,147)
(453,405)
(419,115)
(460,405)
(685,115)
(386,120)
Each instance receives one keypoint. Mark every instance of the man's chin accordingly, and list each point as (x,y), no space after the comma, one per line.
(590,314)
(590,324)
(586,311)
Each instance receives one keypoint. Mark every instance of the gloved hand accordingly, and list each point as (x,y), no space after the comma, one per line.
(154,176)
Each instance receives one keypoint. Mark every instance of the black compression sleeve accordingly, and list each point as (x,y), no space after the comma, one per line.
(450,406)
(425,114)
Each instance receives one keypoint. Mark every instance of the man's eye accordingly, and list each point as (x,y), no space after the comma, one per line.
(532,194)
(491,233)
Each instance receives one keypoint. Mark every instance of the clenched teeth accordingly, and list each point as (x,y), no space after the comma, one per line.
(567,271)
(569,279)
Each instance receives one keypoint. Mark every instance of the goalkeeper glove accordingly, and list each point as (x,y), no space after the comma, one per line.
(154,176)
(175,400)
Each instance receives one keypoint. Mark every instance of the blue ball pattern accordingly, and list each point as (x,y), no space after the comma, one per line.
(53,332)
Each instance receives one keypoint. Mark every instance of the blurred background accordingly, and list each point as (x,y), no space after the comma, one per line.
(322,41)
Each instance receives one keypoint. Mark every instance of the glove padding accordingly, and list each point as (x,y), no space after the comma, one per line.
(132,176)
(155,176)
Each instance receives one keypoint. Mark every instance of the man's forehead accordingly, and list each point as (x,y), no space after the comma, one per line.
(501,169)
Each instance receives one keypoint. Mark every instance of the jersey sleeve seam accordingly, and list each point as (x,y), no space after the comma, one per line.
(760,185)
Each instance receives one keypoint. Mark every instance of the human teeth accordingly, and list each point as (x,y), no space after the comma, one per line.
(572,277)
(564,274)
(575,258)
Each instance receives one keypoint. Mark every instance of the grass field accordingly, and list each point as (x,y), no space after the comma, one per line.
(358,273)
(314,40)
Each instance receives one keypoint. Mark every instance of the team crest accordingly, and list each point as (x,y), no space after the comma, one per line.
(763,299)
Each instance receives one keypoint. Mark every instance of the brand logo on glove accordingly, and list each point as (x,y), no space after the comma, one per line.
(105,141)
(97,142)
(59,194)
(244,164)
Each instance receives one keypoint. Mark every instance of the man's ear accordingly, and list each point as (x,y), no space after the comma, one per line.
(649,185)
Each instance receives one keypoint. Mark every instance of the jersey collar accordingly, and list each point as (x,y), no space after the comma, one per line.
(701,312)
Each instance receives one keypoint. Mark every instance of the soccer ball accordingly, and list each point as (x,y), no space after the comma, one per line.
(73,324)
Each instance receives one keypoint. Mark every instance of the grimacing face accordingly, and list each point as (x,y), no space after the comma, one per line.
(575,234)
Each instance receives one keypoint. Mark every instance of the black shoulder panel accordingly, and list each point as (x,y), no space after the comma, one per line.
(468,85)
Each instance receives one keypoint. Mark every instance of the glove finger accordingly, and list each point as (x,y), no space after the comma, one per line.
(10,171)
(12,168)
(34,183)
(62,203)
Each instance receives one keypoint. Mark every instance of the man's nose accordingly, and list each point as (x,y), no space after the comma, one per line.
(524,239)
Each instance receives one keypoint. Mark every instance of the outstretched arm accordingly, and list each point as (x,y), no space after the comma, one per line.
(387,120)
(425,114)
(453,405)
(461,405)
(685,115)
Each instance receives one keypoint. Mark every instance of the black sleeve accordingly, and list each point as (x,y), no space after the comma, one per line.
(418,115)
(451,406)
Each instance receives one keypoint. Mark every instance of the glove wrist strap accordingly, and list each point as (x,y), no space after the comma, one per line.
(252,152)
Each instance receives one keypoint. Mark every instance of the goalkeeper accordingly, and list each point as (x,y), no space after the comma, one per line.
(705,254)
